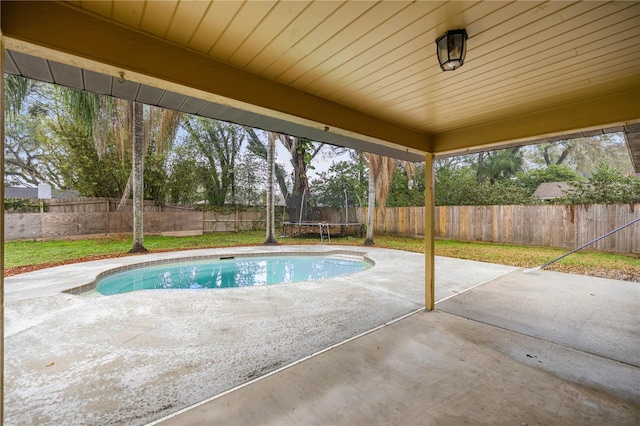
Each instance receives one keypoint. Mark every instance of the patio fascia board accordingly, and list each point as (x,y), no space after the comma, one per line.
(613,108)
(64,34)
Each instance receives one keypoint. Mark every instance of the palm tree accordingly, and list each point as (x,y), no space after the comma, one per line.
(94,113)
(102,116)
(16,90)
(125,123)
(380,177)
(498,165)
(137,171)
(270,239)
(371,203)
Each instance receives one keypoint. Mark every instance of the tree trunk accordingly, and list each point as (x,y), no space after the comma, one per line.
(372,206)
(138,180)
(564,155)
(545,155)
(299,198)
(270,239)
(480,169)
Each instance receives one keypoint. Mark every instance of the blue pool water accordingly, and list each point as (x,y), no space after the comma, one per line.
(225,273)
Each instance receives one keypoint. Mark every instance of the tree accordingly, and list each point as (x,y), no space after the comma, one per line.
(183,183)
(380,175)
(498,165)
(371,201)
(16,90)
(457,184)
(138,179)
(344,179)
(532,179)
(582,154)
(118,130)
(27,160)
(607,185)
(302,152)
(215,145)
(251,175)
(97,116)
(93,158)
(590,152)
(270,239)
(259,149)
(454,183)
(551,153)
(405,189)
(160,130)
(381,172)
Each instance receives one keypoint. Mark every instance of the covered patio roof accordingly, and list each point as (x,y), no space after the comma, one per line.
(358,74)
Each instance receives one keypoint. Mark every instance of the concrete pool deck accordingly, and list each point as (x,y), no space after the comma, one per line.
(513,349)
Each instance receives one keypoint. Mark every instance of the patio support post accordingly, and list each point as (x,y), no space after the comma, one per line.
(429,234)
(2,223)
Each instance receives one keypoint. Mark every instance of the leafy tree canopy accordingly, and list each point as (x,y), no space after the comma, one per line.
(606,185)
(342,179)
(532,179)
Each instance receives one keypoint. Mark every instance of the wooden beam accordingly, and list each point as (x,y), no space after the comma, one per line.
(429,235)
(65,34)
(608,110)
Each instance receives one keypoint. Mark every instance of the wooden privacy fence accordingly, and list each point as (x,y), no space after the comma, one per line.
(64,218)
(565,226)
(22,226)
(82,217)
(95,205)
(235,219)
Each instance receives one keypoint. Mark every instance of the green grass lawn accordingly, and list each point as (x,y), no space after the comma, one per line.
(22,256)
(27,253)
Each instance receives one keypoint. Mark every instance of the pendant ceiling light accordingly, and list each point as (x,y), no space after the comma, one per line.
(451,49)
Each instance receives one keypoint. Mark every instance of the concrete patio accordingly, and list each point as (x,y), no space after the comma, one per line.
(503,347)
(523,349)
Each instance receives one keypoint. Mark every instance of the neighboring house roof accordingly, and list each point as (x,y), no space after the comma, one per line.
(551,190)
(17,192)
(43,191)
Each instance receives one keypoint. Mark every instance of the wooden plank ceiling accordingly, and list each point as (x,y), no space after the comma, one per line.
(361,70)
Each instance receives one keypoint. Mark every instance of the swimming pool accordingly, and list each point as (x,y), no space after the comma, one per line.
(230,272)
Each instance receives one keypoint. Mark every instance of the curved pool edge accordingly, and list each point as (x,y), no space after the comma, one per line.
(55,280)
(90,288)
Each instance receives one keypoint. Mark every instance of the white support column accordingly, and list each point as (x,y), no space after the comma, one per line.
(429,235)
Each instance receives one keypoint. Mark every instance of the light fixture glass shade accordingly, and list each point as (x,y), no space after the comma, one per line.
(451,49)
